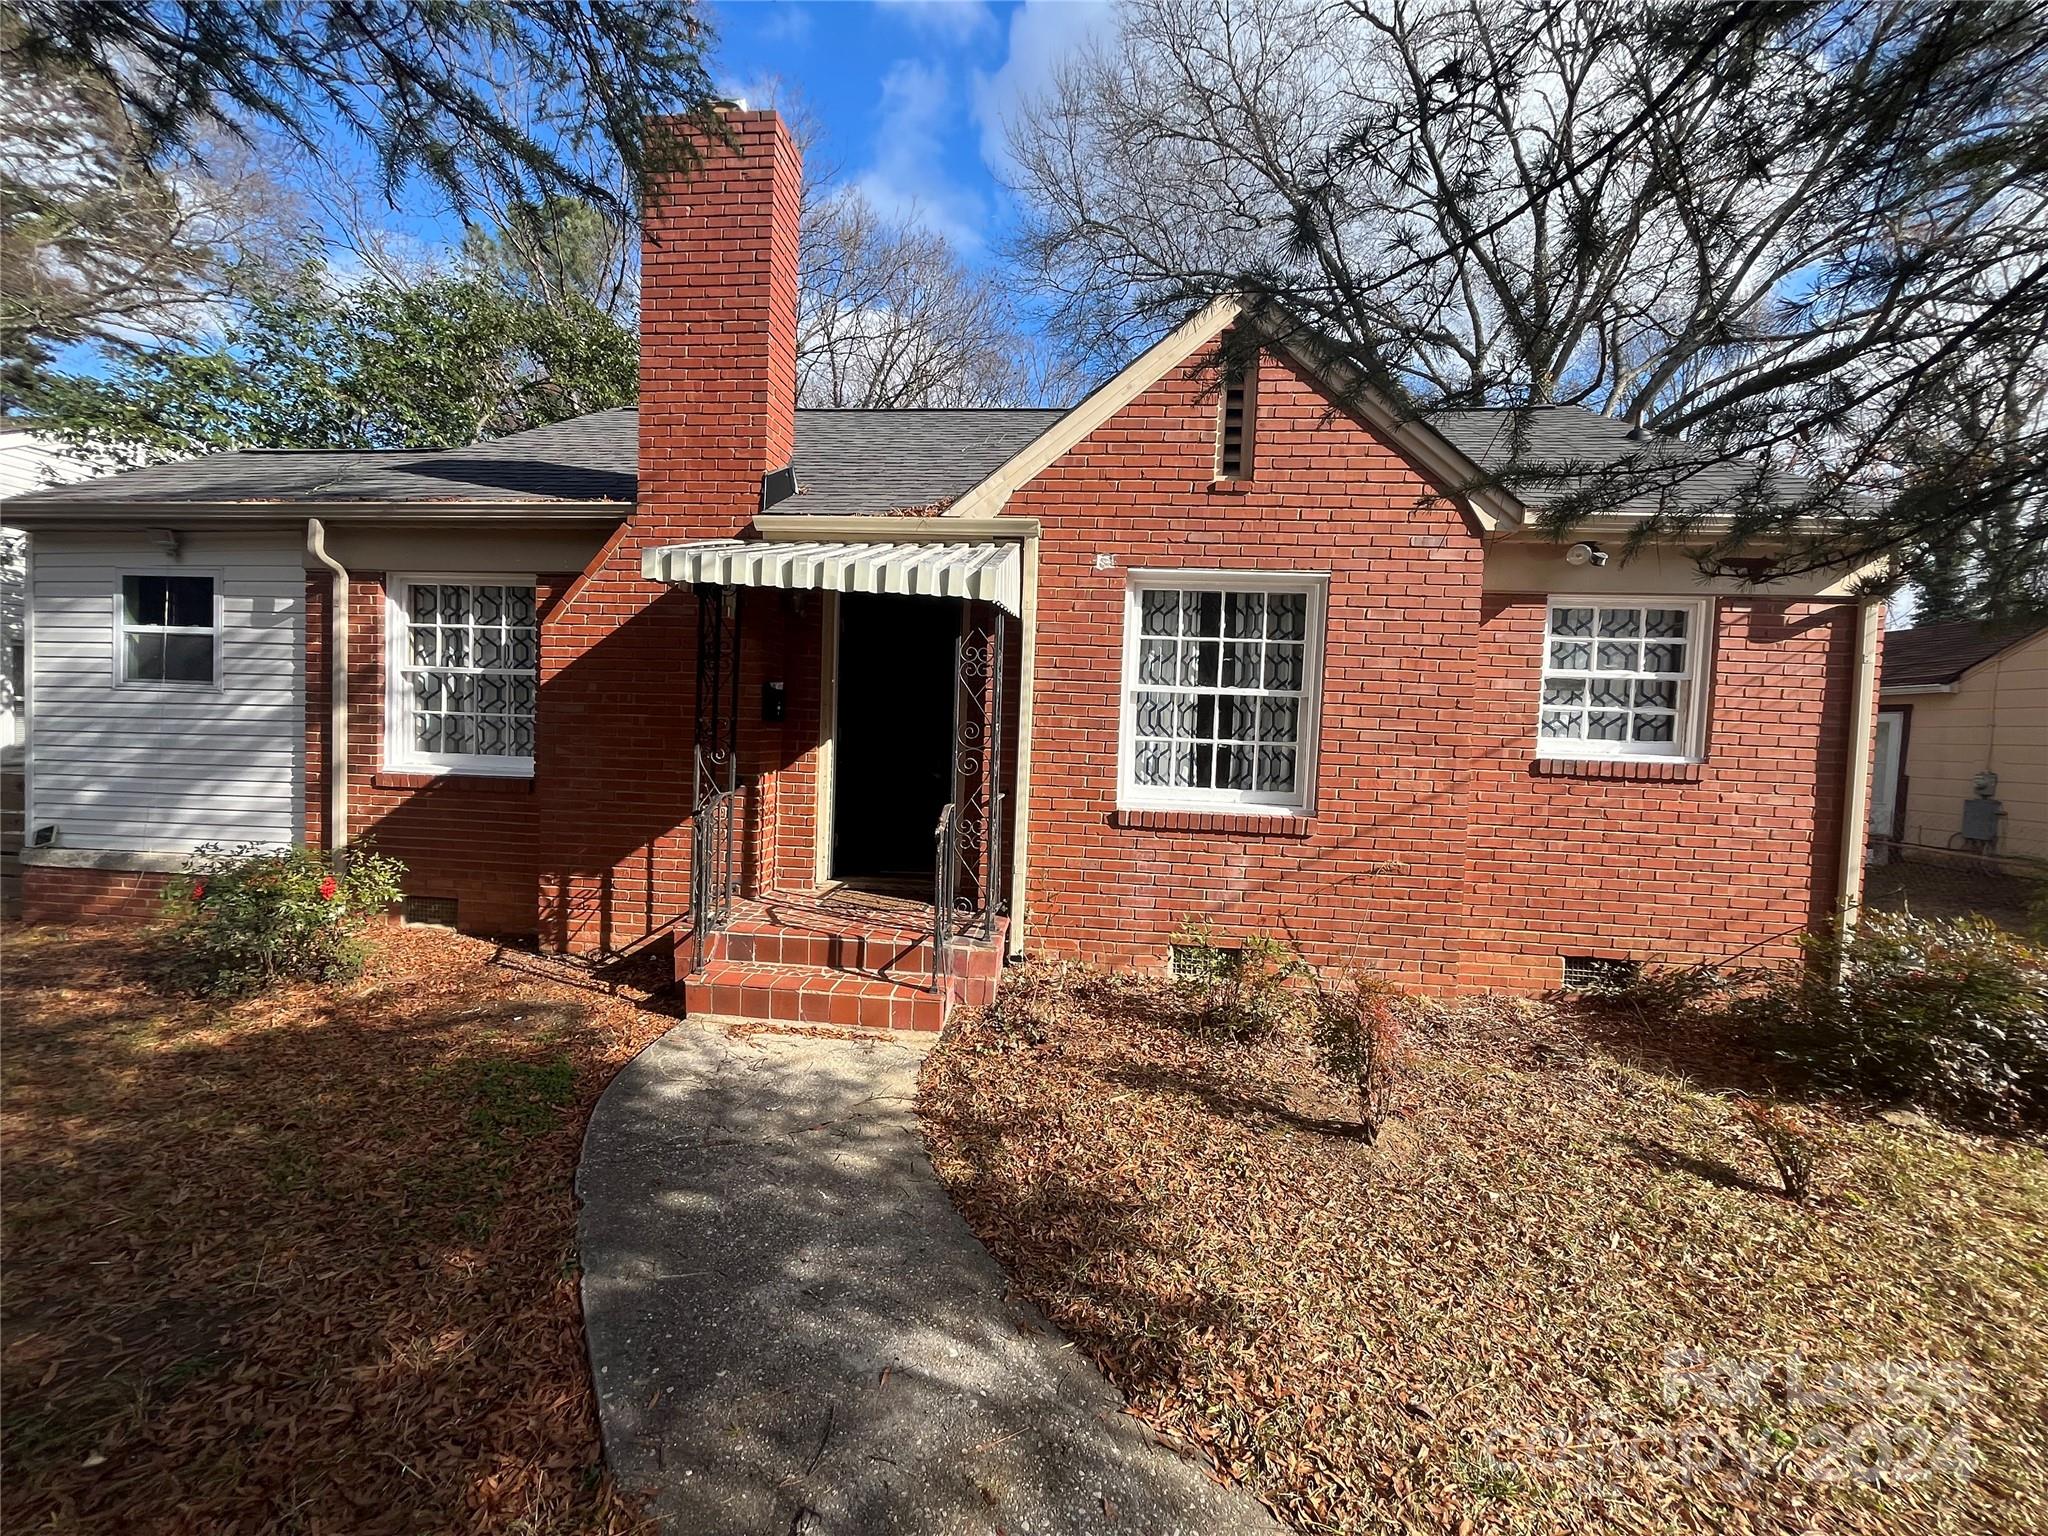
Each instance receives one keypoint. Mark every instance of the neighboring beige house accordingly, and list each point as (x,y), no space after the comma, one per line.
(1962,749)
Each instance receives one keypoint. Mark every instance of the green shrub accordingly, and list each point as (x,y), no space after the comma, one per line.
(1356,1031)
(1240,993)
(1950,1014)
(245,917)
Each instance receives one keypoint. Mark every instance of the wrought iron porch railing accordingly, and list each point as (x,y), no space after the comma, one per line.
(712,856)
(945,889)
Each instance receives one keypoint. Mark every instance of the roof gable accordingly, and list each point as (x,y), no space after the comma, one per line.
(1456,475)
(1930,655)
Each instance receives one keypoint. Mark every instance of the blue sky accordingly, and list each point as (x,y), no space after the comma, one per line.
(908,99)
(910,96)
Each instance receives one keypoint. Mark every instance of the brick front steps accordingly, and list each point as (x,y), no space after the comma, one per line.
(842,959)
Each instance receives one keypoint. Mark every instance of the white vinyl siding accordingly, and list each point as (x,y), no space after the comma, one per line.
(153,767)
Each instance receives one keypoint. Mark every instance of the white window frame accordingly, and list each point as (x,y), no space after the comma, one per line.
(1695,684)
(1301,802)
(123,629)
(398,756)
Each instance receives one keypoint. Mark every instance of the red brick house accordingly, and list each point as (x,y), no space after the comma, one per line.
(788,689)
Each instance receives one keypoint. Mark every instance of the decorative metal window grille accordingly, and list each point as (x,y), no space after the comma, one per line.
(168,629)
(1234,424)
(1220,691)
(1619,679)
(1590,972)
(468,665)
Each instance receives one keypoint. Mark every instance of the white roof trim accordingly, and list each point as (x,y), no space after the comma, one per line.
(984,572)
(1139,375)
(1494,509)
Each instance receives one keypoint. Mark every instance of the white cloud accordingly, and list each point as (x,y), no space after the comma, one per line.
(907,177)
(956,21)
(787,23)
(1042,34)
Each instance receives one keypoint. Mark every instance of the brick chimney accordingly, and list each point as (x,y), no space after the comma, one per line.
(717,411)
(718,282)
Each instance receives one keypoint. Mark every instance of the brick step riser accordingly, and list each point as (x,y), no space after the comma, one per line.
(909,1010)
(777,994)
(886,960)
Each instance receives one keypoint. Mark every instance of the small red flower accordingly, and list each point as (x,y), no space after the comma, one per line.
(199,890)
(327,889)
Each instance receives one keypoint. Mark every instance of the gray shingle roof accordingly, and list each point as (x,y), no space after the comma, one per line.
(850,463)
(1559,437)
(589,458)
(1941,653)
(847,462)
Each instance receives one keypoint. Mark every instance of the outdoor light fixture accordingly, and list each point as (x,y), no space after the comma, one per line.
(1585,554)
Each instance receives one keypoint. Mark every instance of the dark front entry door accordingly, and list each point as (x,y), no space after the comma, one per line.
(893,754)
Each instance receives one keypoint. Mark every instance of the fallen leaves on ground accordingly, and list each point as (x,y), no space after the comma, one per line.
(304,1262)
(1563,1294)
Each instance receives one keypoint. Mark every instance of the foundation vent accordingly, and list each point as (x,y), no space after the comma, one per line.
(1591,973)
(428,911)
(1202,962)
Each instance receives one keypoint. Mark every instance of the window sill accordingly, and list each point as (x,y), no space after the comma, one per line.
(500,783)
(1235,823)
(1230,487)
(1616,768)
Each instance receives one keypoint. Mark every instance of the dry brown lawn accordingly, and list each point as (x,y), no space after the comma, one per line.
(1564,1294)
(306,1262)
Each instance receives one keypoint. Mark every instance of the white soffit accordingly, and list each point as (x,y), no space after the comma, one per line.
(989,573)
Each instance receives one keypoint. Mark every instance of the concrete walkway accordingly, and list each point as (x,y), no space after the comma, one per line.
(794,1332)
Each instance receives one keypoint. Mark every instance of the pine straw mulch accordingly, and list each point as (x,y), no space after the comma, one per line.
(1562,1295)
(307,1262)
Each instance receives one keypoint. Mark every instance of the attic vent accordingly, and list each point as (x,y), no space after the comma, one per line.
(1590,973)
(428,911)
(1234,423)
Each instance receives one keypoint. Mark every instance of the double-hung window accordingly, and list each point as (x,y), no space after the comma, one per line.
(170,630)
(464,674)
(1624,679)
(1222,676)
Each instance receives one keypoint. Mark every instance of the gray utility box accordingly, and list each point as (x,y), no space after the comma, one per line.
(1980,820)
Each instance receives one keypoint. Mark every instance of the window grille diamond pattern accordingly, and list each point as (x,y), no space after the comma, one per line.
(471,662)
(1618,679)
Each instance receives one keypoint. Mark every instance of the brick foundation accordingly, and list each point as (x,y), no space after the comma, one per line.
(56,895)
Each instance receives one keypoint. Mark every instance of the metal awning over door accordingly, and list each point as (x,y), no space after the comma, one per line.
(985,572)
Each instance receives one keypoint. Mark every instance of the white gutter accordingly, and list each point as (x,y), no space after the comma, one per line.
(1027,705)
(1856,793)
(208,515)
(337,688)
(883,528)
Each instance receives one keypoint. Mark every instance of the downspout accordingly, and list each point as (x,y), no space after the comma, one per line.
(1856,793)
(1027,697)
(337,688)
